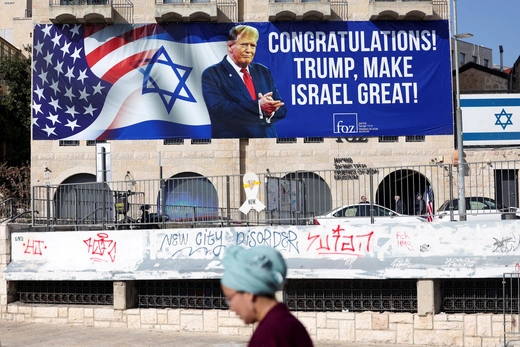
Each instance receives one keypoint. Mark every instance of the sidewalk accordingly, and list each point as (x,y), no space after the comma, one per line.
(14,334)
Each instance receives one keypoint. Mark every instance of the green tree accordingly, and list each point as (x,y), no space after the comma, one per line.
(15,109)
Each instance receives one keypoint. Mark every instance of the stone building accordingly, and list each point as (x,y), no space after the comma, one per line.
(69,159)
(73,161)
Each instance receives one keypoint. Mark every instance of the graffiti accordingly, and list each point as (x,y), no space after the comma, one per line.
(467,263)
(101,248)
(341,243)
(209,238)
(424,248)
(205,250)
(175,239)
(517,268)
(400,263)
(349,262)
(281,240)
(507,244)
(207,241)
(403,240)
(34,247)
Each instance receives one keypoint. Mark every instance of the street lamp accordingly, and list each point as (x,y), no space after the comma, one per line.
(458,117)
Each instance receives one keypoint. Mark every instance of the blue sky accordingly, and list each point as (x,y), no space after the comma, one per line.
(492,23)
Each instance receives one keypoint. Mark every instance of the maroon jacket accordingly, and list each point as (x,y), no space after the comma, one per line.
(280,328)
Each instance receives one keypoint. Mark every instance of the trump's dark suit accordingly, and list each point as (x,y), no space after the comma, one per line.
(232,111)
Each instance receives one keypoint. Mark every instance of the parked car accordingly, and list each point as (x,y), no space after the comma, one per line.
(361,214)
(477,208)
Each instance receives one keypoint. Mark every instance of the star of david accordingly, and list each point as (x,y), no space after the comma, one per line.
(499,121)
(168,97)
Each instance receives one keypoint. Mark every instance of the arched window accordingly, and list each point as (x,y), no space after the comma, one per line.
(190,197)
(80,203)
(317,197)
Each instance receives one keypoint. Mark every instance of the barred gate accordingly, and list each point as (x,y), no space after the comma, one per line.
(511,307)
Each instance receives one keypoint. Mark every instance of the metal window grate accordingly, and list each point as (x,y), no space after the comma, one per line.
(351,295)
(66,292)
(201,294)
(416,138)
(388,138)
(93,142)
(200,141)
(313,140)
(286,140)
(511,309)
(69,143)
(495,295)
(473,295)
(167,142)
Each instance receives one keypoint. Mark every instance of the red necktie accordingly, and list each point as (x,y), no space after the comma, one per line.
(249,83)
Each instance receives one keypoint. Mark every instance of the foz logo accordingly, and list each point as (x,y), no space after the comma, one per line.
(345,123)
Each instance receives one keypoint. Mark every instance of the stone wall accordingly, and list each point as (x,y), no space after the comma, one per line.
(230,157)
(468,330)
(474,79)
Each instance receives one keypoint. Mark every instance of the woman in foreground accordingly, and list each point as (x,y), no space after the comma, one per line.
(251,278)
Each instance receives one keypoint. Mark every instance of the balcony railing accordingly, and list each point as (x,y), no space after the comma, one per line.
(79,2)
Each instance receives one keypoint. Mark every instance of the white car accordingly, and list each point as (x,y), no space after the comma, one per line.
(362,213)
(477,208)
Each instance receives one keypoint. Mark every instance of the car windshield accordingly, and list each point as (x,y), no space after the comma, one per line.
(446,205)
(482,204)
(472,203)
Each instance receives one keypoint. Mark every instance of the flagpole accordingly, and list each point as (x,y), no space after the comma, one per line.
(458,120)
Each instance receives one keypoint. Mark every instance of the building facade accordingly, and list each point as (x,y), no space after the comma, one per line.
(73,161)
(217,156)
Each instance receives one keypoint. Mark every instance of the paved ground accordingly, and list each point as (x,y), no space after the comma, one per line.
(13,334)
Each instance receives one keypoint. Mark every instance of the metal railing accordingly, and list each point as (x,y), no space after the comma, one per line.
(79,2)
(340,8)
(468,295)
(511,306)
(227,7)
(491,190)
(11,209)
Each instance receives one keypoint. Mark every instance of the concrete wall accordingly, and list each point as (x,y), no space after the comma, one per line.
(421,250)
(423,328)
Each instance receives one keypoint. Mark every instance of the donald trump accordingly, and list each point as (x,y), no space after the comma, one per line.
(241,96)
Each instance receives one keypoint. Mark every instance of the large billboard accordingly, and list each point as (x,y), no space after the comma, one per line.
(490,119)
(151,81)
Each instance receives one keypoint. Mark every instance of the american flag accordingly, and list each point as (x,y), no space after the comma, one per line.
(429,204)
(95,82)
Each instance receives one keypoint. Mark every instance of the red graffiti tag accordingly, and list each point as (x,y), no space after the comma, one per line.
(102,249)
(517,268)
(403,240)
(341,243)
(34,247)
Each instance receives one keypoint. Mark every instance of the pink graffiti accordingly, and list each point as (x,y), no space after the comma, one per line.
(340,242)
(101,249)
(403,240)
(34,247)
